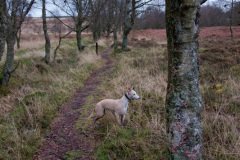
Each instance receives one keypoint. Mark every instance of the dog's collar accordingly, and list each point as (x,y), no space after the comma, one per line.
(127,97)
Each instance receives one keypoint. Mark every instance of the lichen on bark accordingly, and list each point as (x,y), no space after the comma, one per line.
(183,100)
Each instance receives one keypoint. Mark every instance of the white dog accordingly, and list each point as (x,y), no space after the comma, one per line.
(118,107)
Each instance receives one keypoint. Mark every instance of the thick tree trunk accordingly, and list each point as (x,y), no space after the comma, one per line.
(2,27)
(8,66)
(47,39)
(183,100)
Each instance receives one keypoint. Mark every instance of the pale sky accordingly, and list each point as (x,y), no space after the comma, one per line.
(37,12)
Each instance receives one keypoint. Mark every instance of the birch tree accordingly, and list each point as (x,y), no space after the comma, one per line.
(46,36)
(15,14)
(78,10)
(183,100)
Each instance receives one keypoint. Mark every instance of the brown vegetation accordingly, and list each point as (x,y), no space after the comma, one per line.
(205,33)
(145,67)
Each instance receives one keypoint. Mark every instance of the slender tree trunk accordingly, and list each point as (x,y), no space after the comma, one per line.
(79,25)
(47,39)
(79,37)
(115,39)
(8,66)
(126,24)
(18,37)
(125,38)
(183,100)
(96,48)
(128,21)
(2,27)
(59,43)
(230,20)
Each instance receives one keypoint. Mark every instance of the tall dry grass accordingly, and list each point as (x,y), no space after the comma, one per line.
(34,95)
(144,136)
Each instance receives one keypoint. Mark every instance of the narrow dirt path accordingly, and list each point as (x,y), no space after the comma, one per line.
(64,137)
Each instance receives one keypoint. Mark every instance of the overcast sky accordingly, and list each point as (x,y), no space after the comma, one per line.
(37,12)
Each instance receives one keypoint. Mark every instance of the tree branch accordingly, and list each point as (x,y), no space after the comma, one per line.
(202,1)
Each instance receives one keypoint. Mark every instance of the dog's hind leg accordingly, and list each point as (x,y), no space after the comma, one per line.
(97,118)
(99,115)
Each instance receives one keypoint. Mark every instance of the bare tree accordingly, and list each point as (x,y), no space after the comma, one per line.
(130,12)
(153,17)
(97,17)
(58,29)
(117,14)
(128,23)
(209,14)
(183,100)
(231,6)
(45,29)
(16,13)
(78,10)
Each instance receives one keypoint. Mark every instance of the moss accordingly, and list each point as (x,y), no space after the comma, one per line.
(72,155)
(21,52)
(26,61)
(233,108)
(4,90)
(235,70)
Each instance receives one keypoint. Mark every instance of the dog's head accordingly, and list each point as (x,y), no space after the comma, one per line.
(132,94)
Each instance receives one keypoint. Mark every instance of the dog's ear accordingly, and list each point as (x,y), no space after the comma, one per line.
(133,88)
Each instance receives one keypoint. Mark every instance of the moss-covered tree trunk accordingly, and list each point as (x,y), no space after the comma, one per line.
(45,30)
(79,36)
(183,101)
(13,24)
(2,26)
(127,23)
(8,66)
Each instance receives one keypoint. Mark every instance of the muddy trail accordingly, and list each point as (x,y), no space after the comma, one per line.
(63,137)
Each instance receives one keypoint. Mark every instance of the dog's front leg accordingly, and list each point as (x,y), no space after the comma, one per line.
(118,118)
(122,119)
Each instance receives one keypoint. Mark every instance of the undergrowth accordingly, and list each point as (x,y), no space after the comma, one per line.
(34,94)
(144,135)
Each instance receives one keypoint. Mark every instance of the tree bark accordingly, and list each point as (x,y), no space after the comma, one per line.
(79,25)
(47,39)
(13,24)
(8,66)
(18,37)
(183,100)
(2,27)
(79,36)
(127,25)
(115,39)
